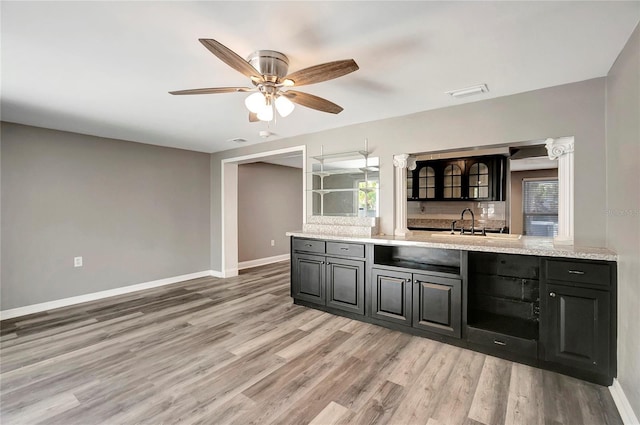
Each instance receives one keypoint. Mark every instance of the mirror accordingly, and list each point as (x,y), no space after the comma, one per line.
(345,187)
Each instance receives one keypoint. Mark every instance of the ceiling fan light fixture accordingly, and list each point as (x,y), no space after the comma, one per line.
(266,114)
(284,106)
(255,102)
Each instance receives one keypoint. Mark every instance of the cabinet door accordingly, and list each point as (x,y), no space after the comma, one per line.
(308,278)
(478,179)
(576,325)
(452,180)
(345,284)
(391,296)
(437,304)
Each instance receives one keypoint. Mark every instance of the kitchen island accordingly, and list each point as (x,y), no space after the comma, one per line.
(523,299)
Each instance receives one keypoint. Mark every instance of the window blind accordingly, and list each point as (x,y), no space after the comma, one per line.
(540,207)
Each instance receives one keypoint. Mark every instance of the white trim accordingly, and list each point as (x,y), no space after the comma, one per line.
(263,261)
(622,403)
(229,232)
(401,163)
(216,273)
(562,149)
(50,305)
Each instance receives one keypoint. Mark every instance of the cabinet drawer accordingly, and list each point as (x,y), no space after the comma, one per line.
(513,344)
(308,245)
(579,272)
(347,249)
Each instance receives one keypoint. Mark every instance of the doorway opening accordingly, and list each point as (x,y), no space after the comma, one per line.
(229,199)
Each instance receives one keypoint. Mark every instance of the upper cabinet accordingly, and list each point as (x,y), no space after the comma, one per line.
(479,178)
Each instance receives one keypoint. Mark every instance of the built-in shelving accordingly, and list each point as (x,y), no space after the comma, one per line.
(337,174)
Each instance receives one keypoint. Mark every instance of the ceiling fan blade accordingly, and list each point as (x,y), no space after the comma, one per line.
(322,72)
(253,117)
(311,101)
(213,90)
(229,57)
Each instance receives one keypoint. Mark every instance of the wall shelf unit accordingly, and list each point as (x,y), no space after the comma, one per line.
(344,184)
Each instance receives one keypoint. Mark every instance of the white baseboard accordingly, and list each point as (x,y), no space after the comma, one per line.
(216,273)
(622,403)
(50,305)
(263,261)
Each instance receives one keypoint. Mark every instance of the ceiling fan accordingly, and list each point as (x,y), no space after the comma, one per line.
(267,70)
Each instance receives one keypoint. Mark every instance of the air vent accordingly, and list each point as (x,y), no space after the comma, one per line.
(469,91)
(237,140)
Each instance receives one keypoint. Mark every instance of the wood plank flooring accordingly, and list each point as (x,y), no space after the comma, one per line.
(237,351)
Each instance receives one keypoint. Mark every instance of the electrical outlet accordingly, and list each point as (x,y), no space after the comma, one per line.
(77,261)
(273,243)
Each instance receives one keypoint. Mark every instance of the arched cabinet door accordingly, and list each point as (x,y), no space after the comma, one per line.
(478,180)
(452,182)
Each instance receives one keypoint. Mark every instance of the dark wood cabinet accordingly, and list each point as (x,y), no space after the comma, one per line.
(307,281)
(345,284)
(328,280)
(391,296)
(480,178)
(576,325)
(437,304)
(431,303)
(552,312)
(578,317)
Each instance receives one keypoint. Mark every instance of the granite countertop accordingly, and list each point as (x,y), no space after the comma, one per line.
(527,245)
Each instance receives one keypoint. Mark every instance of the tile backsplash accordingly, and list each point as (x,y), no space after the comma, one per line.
(493,210)
(492,214)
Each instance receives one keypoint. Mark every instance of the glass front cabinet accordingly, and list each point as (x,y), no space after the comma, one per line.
(481,178)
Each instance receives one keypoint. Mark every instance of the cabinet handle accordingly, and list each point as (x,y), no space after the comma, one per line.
(576,272)
(322,262)
(552,294)
(345,249)
(308,244)
(328,263)
(497,342)
(408,279)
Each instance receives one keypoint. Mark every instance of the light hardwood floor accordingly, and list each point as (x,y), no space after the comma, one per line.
(237,351)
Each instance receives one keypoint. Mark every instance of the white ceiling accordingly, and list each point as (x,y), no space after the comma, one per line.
(104,68)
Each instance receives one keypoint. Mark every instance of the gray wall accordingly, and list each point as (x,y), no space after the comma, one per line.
(623,207)
(575,109)
(269,204)
(135,212)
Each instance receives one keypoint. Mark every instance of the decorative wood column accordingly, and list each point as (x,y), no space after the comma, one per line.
(401,163)
(562,150)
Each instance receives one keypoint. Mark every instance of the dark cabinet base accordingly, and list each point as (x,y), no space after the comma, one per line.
(531,310)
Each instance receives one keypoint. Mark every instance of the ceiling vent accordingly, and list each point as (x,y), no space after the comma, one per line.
(469,91)
(237,140)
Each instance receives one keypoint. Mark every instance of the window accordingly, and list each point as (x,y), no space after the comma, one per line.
(368,197)
(540,207)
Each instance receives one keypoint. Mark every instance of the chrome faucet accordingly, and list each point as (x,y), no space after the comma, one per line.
(473,221)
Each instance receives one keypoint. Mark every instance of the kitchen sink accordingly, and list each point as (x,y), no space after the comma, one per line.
(478,236)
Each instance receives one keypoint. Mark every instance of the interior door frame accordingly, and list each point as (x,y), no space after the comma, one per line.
(229,202)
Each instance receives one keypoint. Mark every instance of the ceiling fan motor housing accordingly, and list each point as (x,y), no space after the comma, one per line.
(271,64)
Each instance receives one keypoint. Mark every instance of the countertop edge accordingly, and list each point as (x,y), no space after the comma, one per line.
(528,245)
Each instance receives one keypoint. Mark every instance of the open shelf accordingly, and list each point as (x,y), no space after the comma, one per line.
(430,268)
(429,260)
(341,155)
(507,325)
